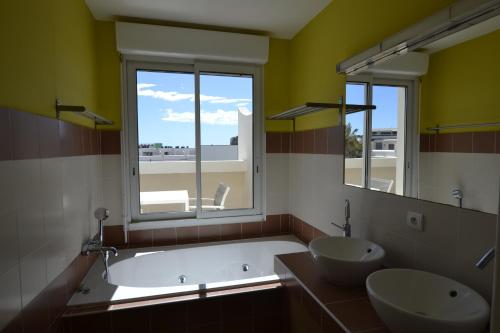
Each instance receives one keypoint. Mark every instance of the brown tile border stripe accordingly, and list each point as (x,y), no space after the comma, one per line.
(465,142)
(110,142)
(273,226)
(303,230)
(328,140)
(26,135)
(44,312)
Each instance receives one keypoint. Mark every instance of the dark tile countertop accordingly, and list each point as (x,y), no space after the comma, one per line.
(349,308)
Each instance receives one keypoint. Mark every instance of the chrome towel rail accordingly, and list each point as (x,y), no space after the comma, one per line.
(437,128)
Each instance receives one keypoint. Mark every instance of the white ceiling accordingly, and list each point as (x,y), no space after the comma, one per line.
(280,18)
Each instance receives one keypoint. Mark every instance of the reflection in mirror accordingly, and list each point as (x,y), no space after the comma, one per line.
(443,148)
(375,145)
(387,141)
(354,136)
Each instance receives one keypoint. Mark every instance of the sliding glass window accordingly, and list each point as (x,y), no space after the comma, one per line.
(194,141)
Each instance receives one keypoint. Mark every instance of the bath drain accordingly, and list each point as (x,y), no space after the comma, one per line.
(245,267)
(182,278)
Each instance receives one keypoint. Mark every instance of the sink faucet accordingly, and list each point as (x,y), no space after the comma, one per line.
(346,228)
(97,243)
(459,195)
(486,258)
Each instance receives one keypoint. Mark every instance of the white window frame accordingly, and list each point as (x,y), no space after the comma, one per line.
(412,143)
(130,159)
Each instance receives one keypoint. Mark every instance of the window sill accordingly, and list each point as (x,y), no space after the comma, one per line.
(148,225)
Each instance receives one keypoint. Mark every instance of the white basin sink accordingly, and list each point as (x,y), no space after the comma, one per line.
(411,301)
(346,261)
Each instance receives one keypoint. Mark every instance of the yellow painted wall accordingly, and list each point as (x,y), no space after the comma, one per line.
(462,85)
(108,74)
(47,51)
(341,30)
(276,84)
(54,48)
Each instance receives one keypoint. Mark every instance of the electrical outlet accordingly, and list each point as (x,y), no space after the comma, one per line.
(415,221)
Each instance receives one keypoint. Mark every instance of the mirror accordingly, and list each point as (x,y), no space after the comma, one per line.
(435,134)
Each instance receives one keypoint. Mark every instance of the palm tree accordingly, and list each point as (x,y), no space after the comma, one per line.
(353,146)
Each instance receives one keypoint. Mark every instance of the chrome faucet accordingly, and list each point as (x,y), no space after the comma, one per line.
(486,258)
(459,195)
(97,243)
(346,228)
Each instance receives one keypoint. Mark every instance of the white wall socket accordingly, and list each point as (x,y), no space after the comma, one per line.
(415,221)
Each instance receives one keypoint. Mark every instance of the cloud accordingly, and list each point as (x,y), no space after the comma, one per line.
(223,100)
(178,117)
(169,96)
(174,96)
(219,117)
(141,86)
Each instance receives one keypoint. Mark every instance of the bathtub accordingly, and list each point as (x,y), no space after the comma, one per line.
(170,270)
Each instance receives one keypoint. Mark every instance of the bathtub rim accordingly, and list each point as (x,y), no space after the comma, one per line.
(191,294)
(100,307)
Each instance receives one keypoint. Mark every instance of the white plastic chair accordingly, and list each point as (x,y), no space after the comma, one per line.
(215,203)
(383,185)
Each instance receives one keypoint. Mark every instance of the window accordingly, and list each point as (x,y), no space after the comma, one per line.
(194,141)
(378,155)
(355,136)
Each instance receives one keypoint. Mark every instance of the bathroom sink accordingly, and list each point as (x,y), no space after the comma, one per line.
(412,301)
(346,261)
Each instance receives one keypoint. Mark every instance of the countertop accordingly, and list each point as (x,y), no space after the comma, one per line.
(349,308)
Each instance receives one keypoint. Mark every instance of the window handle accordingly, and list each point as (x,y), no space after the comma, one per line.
(133,171)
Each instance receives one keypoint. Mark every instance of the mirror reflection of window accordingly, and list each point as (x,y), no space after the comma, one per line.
(376,161)
(387,139)
(354,173)
(435,132)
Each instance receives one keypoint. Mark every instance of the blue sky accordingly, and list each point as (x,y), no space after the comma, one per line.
(384,97)
(166,107)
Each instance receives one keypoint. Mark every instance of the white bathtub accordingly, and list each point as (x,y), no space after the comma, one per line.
(139,273)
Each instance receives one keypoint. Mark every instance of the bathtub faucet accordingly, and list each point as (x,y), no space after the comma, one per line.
(97,243)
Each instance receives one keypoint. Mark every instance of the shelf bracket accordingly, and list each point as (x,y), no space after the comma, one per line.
(81,110)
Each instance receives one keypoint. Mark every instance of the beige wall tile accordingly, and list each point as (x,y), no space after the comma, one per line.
(278,171)
(437,259)
(10,294)
(30,212)
(8,196)
(9,255)
(477,235)
(33,275)
(440,224)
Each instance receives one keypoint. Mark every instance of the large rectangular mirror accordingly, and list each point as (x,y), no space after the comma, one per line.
(435,134)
